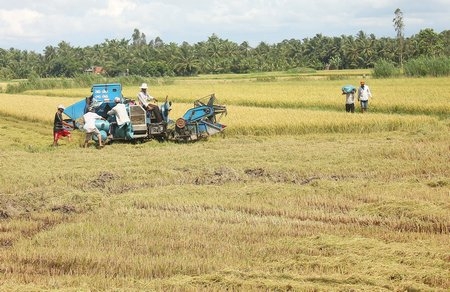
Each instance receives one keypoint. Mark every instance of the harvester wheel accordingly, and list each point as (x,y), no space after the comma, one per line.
(181,123)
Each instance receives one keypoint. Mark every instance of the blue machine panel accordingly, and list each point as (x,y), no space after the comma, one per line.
(106,92)
(76,110)
(102,99)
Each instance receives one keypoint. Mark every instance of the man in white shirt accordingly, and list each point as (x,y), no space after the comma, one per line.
(120,111)
(89,126)
(363,96)
(145,101)
(349,92)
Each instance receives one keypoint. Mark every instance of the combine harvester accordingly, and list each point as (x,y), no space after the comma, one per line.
(197,123)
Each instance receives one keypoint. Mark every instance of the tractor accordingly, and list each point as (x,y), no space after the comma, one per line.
(197,123)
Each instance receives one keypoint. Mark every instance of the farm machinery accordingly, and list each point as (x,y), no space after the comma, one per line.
(197,123)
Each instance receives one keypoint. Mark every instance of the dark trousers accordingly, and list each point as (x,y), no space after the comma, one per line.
(350,107)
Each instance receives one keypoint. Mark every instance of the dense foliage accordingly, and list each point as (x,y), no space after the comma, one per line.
(385,69)
(155,58)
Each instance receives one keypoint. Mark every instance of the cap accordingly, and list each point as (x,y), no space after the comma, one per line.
(144,86)
(362,82)
(117,99)
(60,106)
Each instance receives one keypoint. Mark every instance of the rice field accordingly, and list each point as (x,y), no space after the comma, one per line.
(297,195)
(403,95)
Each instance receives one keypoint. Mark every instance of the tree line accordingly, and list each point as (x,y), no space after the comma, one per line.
(155,58)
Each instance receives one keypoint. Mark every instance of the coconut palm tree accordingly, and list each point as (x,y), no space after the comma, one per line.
(185,62)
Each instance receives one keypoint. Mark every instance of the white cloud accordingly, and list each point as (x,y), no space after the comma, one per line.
(17,23)
(30,24)
(114,8)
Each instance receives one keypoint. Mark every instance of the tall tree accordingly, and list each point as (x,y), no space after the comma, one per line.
(185,62)
(429,43)
(399,28)
(138,38)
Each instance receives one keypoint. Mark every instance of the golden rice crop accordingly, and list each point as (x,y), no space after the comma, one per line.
(403,95)
(245,120)
(430,95)
(32,108)
(264,121)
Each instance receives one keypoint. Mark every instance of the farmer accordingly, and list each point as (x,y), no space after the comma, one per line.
(58,126)
(363,96)
(120,111)
(89,119)
(349,92)
(145,101)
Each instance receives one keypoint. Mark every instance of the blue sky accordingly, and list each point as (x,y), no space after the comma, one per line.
(32,25)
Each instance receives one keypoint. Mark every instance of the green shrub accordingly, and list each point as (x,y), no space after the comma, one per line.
(385,69)
(428,66)
(81,80)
